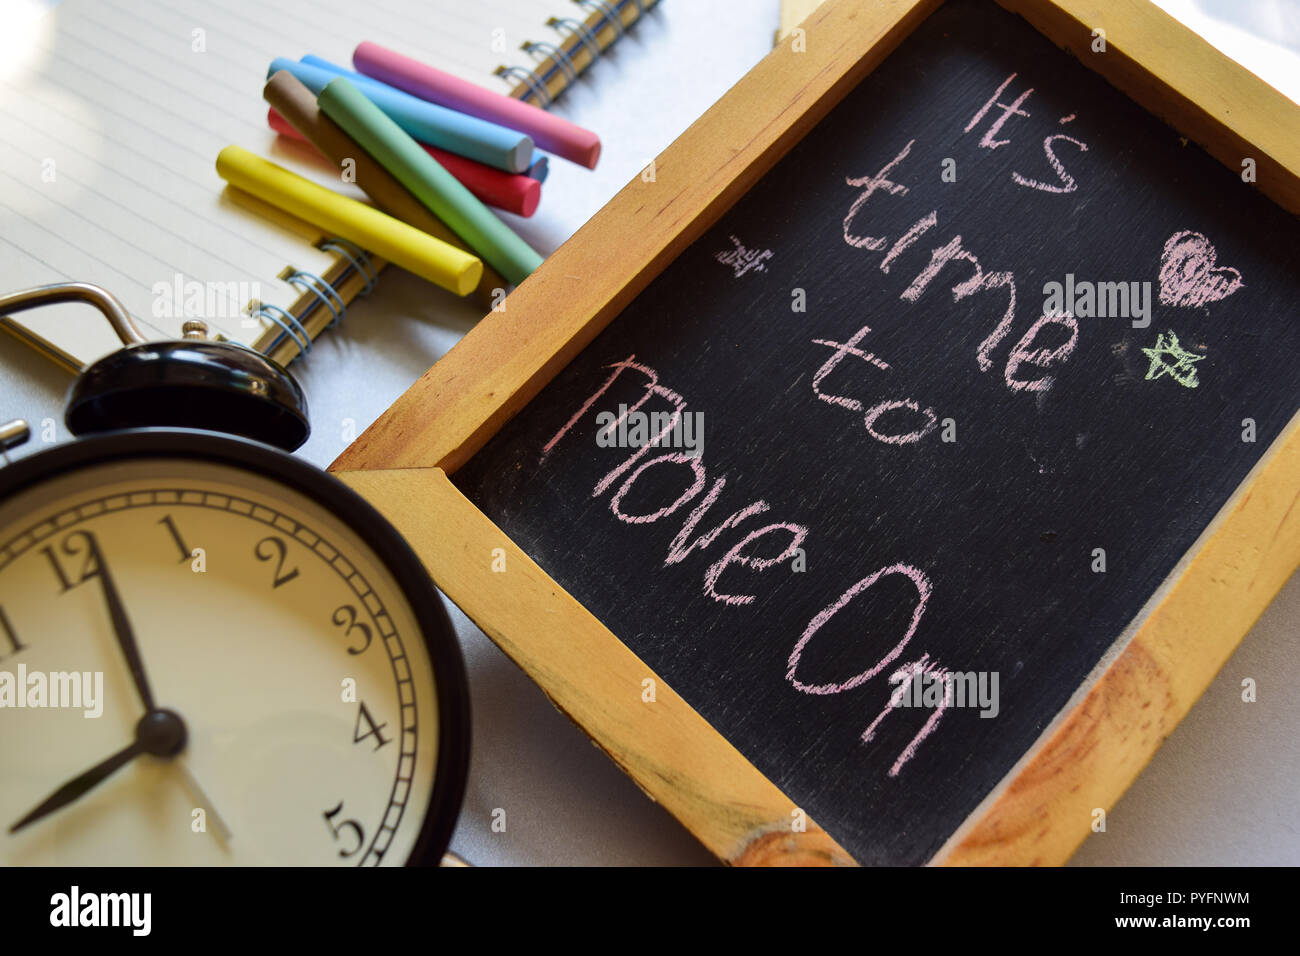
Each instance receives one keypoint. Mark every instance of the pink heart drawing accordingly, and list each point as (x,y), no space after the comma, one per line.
(1188,275)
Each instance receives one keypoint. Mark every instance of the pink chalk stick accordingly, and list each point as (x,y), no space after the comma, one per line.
(551,133)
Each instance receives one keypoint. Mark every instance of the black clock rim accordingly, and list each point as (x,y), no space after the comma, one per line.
(452,766)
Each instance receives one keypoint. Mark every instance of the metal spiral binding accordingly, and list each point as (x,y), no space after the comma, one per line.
(608,13)
(558,55)
(328,295)
(580,30)
(535,85)
(566,27)
(358,257)
(285,320)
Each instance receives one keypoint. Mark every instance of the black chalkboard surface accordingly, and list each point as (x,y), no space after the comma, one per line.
(915,448)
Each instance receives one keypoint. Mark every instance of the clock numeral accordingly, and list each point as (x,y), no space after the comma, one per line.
(346,617)
(374,731)
(274,549)
(16,645)
(337,828)
(186,554)
(89,567)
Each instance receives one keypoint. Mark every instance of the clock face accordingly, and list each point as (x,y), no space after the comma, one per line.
(270,636)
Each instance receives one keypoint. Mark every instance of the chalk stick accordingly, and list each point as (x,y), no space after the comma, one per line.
(494,186)
(294,112)
(518,193)
(419,172)
(539,169)
(430,123)
(514,192)
(550,132)
(354,221)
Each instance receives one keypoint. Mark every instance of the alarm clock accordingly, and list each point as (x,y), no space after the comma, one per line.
(212,652)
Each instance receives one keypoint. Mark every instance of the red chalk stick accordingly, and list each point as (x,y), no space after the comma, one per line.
(513,192)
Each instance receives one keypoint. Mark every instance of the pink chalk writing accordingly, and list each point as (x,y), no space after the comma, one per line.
(1067,183)
(921,260)
(923,588)
(906,404)
(651,389)
(619,368)
(908,672)
(919,228)
(736,555)
(679,549)
(1189,275)
(953,252)
(693,462)
(1008,110)
(757,549)
(842,349)
(634,467)
(940,256)
(1024,354)
(852,404)
(869,185)
(998,280)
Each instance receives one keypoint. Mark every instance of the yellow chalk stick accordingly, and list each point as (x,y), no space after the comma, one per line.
(367,227)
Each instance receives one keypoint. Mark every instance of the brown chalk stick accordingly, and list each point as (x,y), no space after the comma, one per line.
(297,104)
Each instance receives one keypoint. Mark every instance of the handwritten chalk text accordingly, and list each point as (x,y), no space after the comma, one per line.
(752,543)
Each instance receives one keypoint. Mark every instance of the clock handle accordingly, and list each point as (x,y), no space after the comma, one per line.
(452,859)
(105,302)
(13,434)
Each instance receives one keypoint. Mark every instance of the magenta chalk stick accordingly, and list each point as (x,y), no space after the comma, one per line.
(548,132)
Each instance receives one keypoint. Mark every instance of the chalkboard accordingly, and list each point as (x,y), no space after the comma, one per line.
(928,438)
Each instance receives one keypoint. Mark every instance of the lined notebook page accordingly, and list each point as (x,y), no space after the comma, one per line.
(111,122)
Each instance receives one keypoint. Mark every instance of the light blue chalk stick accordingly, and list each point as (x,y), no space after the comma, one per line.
(358,79)
(539,169)
(369,85)
(427,122)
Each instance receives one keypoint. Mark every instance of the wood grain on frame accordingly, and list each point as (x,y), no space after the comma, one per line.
(1096,749)
(664,745)
(1173,73)
(1092,751)
(794,12)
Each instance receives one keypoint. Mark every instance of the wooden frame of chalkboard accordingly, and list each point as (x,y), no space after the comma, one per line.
(1112,725)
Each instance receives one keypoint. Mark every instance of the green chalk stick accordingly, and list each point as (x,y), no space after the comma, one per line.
(430,183)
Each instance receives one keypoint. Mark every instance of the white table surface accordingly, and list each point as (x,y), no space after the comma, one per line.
(1222,789)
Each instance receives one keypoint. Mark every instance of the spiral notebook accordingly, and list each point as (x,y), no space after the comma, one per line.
(113,113)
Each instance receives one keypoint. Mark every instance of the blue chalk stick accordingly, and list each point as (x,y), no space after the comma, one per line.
(427,122)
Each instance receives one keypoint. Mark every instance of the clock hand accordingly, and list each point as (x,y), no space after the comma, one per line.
(197,792)
(122,627)
(80,785)
(159,732)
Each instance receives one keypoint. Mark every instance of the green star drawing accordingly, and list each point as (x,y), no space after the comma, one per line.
(1169,358)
